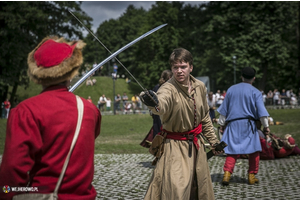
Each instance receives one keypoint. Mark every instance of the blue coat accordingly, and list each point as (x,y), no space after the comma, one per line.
(241,101)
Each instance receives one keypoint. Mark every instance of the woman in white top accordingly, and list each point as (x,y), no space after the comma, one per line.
(276,97)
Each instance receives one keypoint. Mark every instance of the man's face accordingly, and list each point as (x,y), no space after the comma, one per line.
(181,72)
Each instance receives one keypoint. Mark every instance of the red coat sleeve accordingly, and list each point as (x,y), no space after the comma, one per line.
(22,136)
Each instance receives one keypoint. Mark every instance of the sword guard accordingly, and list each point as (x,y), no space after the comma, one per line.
(149,98)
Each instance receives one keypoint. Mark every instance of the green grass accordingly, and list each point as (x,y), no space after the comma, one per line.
(104,85)
(123,133)
(290,118)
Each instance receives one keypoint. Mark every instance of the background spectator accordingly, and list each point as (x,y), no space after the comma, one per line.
(220,100)
(7,107)
(293,100)
(224,93)
(127,107)
(117,102)
(124,99)
(89,99)
(138,102)
(276,95)
(89,82)
(212,106)
(264,96)
(108,104)
(115,68)
(134,101)
(102,101)
(270,98)
(283,97)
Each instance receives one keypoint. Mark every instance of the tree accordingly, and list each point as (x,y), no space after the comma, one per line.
(23,25)
(259,34)
(153,53)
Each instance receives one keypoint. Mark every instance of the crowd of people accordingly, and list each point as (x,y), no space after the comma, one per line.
(121,103)
(285,97)
(90,81)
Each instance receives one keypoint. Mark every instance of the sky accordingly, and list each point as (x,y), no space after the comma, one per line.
(105,10)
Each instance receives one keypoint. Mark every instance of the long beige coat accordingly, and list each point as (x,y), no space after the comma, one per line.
(174,172)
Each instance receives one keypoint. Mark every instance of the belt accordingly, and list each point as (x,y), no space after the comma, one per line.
(249,121)
(190,136)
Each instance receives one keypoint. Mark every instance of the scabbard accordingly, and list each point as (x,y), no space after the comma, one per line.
(190,147)
(191,143)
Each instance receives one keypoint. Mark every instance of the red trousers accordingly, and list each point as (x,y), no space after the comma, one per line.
(253,163)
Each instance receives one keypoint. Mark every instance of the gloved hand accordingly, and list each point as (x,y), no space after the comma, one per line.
(149,98)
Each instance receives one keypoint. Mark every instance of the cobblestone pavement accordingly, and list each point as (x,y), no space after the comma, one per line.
(126,177)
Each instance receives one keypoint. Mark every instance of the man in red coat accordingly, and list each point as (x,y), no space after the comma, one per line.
(40,129)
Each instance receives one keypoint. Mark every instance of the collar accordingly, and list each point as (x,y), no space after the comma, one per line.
(55,87)
(185,88)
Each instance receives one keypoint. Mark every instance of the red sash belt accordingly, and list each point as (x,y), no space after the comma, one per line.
(186,135)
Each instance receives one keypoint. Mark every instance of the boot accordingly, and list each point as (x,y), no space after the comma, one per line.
(251,179)
(226,178)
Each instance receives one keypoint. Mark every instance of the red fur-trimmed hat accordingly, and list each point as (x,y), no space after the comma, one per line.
(55,60)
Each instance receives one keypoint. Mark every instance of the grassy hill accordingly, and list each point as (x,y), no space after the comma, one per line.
(104,85)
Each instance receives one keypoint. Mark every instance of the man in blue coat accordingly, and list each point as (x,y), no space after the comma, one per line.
(242,106)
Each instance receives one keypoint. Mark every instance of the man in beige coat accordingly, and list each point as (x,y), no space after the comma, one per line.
(182,172)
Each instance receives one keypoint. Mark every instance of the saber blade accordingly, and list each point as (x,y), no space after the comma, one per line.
(114,55)
(106,48)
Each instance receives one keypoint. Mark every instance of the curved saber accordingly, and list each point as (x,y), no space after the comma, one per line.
(113,55)
(105,48)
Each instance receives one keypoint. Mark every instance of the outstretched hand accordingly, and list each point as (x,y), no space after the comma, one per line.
(149,98)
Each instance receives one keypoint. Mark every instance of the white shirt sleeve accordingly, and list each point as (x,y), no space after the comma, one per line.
(222,119)
(264,121)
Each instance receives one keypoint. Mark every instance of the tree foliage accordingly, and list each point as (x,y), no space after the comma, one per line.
(262,35)
(23,25)
(259,34)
